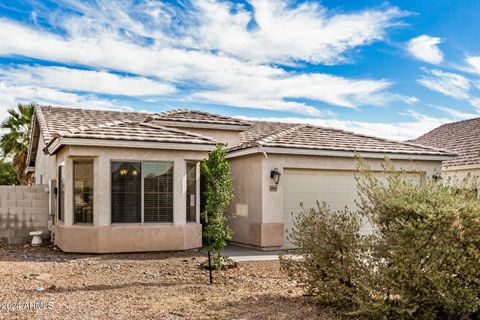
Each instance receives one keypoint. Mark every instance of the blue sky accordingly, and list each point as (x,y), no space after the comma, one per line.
(393,69)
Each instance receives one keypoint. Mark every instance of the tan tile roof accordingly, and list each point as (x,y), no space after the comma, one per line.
(135,131)
(261,129)
(195,116)
(131,126)
(56,119)
(461,137)
(109,125)
(311,137)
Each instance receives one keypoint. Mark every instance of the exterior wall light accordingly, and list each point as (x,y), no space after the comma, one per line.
(275,175)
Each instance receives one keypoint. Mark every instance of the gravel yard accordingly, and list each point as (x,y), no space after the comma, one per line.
(143,286)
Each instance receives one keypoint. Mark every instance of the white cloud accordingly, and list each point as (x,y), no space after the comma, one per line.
(425,48)
(449,84)
(221,78)
(404,130)
(84,80)
(287,33)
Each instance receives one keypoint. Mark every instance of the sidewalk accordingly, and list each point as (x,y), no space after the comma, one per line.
(238,253)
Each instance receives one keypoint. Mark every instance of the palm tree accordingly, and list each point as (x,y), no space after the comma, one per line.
(15,141)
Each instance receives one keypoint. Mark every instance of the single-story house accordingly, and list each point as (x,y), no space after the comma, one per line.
(126,181)
(462,138)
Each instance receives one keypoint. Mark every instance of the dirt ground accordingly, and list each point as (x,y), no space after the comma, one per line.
(53,285)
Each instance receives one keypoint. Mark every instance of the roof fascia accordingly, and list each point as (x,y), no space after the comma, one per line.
(339,153)
(59,142)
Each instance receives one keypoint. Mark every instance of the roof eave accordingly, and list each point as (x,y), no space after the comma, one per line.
(339,153)
(461,167)
(58,142)
(30,146)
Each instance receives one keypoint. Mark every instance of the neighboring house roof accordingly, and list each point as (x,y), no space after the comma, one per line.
(199,119)
(461,137)
(309,137)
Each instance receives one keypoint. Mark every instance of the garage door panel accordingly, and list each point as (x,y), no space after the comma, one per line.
(293,199)
(337,188)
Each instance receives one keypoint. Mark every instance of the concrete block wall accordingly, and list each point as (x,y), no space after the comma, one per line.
(23,209)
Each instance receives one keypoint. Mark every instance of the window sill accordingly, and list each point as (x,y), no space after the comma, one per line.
(117,224)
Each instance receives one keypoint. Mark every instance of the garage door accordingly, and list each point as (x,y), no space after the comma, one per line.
(337,188)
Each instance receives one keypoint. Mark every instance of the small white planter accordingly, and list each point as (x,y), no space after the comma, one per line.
(37,239)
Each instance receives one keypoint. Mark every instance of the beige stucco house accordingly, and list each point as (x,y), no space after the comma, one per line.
(462,138)
(124,181)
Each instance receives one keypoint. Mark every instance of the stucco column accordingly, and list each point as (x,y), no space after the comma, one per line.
(179,192)
(68,191)
(197,195)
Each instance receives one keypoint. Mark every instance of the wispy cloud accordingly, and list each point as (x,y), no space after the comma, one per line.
(473,63)
(449,84)
(457,114)
(84,80)
(418,125)
(425,48)
(214,51)
(12,94)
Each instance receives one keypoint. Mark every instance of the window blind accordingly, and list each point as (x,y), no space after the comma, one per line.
(126,192)
(157,192)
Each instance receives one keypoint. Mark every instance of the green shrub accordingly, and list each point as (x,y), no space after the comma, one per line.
(421,262)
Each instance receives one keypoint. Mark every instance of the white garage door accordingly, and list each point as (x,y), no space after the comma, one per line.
(337,188)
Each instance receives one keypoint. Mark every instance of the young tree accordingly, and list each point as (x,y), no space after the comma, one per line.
(15,141)
(218,195)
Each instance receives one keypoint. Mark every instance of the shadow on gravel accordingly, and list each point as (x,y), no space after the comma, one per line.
(48,253)
(268,306)
(105,287)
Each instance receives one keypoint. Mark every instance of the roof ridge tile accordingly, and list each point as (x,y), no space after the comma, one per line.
(272,137)
(88,127)
(196,135)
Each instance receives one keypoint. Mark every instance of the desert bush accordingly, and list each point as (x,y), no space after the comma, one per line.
(420,262)
(329,262)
